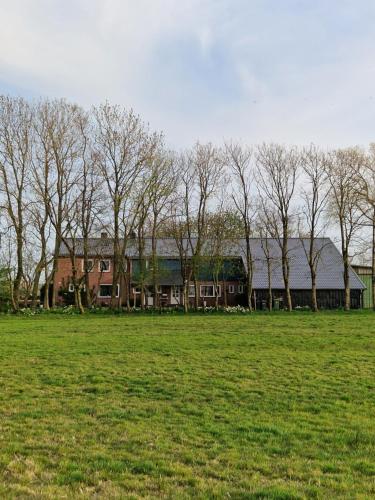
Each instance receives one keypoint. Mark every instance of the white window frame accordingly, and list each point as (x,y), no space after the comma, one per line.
(175,292)
(108,296)
(230,288)
(104,270)
(92,265)
(137,290)
(218,287)
(191,290)
(240,288)
(71,288)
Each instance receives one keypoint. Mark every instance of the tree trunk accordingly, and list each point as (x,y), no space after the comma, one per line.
(186,296)
(346,281)
(54,268)
(87,292)
(249,275)
(249,291)
(77,300)
(116,250)
(314,300)
(285,266)
(46,292)
(19,274)
(196,298)
(373,261)
(154,265)
(269,285)
(35,288)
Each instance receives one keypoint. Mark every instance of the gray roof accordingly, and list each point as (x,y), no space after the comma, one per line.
(329,269)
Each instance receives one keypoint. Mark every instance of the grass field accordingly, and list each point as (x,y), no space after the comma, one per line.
(279,406)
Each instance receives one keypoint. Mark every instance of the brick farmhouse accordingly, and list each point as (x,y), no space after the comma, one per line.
(228,283)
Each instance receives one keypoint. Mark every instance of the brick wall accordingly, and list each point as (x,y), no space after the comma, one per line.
(96,277)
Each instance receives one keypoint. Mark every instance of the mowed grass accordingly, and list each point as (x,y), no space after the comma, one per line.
(267,406)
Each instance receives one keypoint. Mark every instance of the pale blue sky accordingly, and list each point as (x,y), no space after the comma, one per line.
(293,71)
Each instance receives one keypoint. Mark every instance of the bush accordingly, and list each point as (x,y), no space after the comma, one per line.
(236,310)
(5,301)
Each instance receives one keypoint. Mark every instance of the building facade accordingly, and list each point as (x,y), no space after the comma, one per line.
(221,280)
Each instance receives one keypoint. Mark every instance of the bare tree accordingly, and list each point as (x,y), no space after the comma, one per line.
(240,160)
(162,194)
(224,233)
(203,174)
(15,163)
(62,143)
(90,201)
(122,145)
(315,196)
(42,188)
(341,166)
(364,185)
(278,170)
(270,259)
(178,229)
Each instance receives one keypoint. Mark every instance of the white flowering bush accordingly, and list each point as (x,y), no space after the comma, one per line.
(27,312)
(236,310)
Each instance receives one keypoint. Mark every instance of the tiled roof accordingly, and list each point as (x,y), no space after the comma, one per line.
(329,269)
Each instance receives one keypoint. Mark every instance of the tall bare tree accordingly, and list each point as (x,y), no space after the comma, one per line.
(240,161)
(364,185)
(63,144)
(315,196)
(15,164)
(162,196)
(278,170)
(42,188)
(122,146)
(90,200)
(177,228)
(203,173)
(341,166)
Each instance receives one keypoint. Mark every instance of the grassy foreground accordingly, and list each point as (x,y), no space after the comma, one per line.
(279,406)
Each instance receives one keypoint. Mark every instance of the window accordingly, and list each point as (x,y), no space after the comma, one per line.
(231,288)
(90,265)
(137,290)
(209,291)
(104,265)
(105,291)
(71,287)
(191,291)
(176,292)
(240,288)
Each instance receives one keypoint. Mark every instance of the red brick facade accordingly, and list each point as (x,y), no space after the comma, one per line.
(169,296)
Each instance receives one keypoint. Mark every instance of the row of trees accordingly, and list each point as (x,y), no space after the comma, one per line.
(67,173)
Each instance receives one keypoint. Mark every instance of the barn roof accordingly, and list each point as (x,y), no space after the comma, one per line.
(329,268)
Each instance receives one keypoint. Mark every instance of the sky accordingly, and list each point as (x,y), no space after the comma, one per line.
(289,71)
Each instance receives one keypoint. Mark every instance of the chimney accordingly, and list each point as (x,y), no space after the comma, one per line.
(103,235)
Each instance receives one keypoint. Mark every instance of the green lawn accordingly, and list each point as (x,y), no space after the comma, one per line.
(279,406)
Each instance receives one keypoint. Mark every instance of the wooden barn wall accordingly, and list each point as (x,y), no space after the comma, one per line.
(327,299)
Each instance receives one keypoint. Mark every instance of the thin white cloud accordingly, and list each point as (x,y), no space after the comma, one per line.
(208,69)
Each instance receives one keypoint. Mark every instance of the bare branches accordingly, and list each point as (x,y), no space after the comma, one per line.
(240,162)
(341,166)
(66,173)
(278,169)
